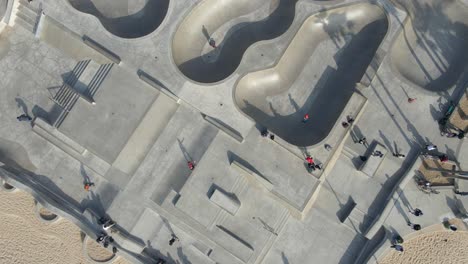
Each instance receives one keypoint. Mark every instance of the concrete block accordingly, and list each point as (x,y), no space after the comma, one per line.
(225,201)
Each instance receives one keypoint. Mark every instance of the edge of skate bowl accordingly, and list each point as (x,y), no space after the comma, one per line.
(191,52)
(266,96)
(124,19)
(431,50)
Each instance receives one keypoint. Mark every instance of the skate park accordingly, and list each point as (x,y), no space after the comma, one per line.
(126,94)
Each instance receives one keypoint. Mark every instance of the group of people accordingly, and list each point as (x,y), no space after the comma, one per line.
(396,244)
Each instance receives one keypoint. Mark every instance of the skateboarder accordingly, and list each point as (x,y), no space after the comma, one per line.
(363,141)
(310,161)
(173,239)
(417,212)
(24,117)
(191,165)
(305,118)
(398,248)
(212,43)
(443,158)
(430,147)
(88,185)
(377,153)
(398,155)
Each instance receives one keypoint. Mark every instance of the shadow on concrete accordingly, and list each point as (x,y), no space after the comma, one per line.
(377,205)
(114,15)
(351,65)
(234,157)
(440,37)
(183,258)
(20,103)
(354,249)
(284,258)
(15,155)
(387,142)
(46,183)
(154,254)
(184,150)
(453,205)
(345,209)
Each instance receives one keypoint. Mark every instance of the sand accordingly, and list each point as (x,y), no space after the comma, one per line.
(436,247)
(26,239)
(429,169)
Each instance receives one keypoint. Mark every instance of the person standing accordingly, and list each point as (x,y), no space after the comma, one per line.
(305,118)
(310,161)
(430,147)
(212,43)
(398,248)
(416,212)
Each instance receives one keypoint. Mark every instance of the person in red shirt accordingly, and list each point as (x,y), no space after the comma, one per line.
(87,185)
(190,165)
(310,161)
(306,117)
(443,158)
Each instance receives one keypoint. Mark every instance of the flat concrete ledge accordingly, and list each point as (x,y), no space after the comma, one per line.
(253,176)
(101,49)
(234,244)
(148,79)
(225,201)
(223,127)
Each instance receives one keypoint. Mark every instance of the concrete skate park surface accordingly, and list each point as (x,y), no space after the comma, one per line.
(279,97)
(125,18)
(145,133)
(431,51)
(200,62)
(3,7)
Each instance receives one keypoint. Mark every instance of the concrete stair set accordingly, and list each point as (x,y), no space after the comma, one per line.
(27,16)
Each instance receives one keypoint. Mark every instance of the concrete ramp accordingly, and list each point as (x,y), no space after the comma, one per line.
(125,18)
(316,75)
(431,50)
(146,133)
(215,19)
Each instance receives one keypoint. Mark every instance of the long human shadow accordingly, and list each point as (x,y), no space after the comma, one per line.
(443,42)
(20,103)
(284,258)
(351,66)
(238,39)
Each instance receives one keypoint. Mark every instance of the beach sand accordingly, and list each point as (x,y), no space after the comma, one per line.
(26,239)
(437,247)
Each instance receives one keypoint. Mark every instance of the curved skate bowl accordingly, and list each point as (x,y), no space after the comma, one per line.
(276,99)
(432,49)
(125,18)
(213,18)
